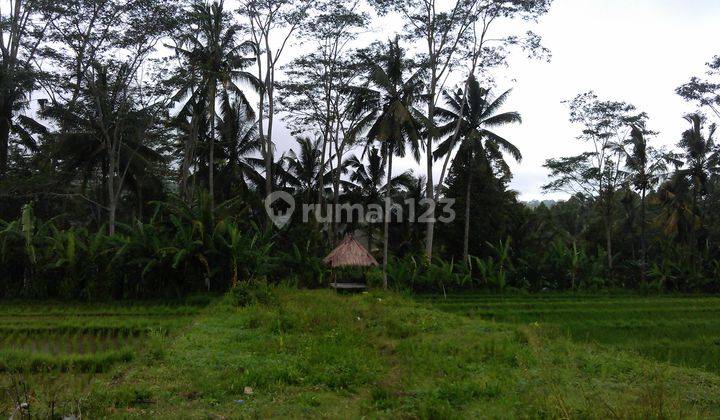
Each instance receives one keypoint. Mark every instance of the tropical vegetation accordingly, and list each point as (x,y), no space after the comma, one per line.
(137,153)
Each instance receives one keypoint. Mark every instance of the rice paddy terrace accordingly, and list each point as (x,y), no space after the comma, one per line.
(325,355)
(59,349)
(683,331)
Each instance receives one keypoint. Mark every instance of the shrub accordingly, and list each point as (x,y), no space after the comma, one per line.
(374,278)
(251,292)
(308,269)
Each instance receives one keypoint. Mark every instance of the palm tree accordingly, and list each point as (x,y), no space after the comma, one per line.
(367,179)
(21,35)
(702,157)
(305,167)
(677,217)
(386,105)
(282,178)
(702,160)
(13,98)
(472,121)
(646,165)
(367,184)
(108,131)
(411,190)
(214,59)
(238,141)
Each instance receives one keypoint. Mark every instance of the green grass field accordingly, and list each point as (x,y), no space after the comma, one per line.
(376,355)
(683,331)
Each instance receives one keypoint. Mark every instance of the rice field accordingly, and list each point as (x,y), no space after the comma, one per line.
(682,331)
(80,338)
(52,352)
(321,354)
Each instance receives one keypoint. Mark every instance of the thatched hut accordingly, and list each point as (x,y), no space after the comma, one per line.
(350,253)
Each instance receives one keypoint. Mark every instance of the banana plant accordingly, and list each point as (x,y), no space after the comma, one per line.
(503,264)
(188,247)
(662,274)
(403,272)
(305,265)
(28,231)
(62,258)
(246,252)
(575,258)
(27,226)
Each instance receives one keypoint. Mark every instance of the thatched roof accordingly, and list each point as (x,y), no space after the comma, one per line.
(350,253)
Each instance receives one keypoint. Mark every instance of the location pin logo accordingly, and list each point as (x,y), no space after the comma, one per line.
(278,217)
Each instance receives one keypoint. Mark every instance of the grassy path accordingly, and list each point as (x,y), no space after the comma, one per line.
(317,354)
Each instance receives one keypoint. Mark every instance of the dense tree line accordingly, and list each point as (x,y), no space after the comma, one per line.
(138,143)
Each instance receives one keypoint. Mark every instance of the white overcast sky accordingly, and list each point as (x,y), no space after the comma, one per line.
(637,51)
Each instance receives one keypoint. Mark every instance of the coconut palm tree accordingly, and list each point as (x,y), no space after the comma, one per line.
(676,215)
(468,128)
(702,160)
(305,167)
(367,184)
(386,104)
(368,179)
(702,156)
(238,141)
(645,165)
(214,59)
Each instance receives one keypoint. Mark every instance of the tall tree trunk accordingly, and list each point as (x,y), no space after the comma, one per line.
(261,131)
(336,191)
(331,209)
(4,141)
(608,238)
(430,186)
(370,238)
(466,235)
(112,196)
(386,219)
(112,214)
(188,157)
(211,154)
(321,185)
(269,141)
(694,257)
(103,190)
(140,202)
(643,239)
(321,174)
(336,207)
